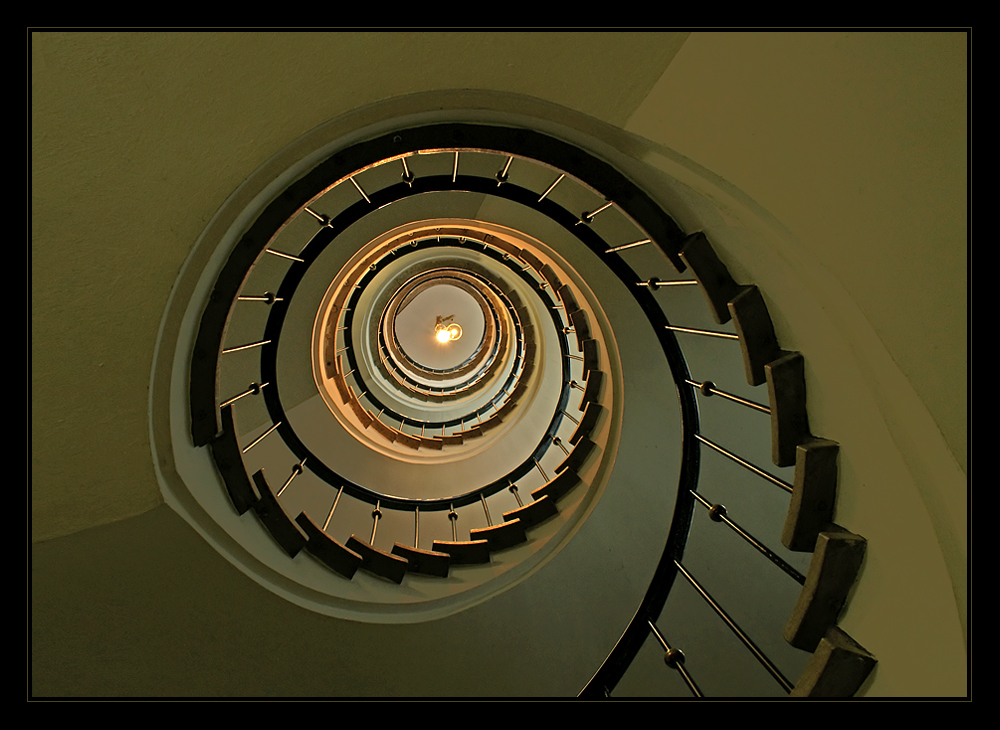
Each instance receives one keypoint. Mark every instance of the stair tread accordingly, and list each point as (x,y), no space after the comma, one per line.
(379,562)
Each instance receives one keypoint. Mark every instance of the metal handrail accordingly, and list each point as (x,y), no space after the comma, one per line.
(663,231)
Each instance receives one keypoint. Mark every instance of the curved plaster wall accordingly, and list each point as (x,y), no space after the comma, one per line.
(830,168)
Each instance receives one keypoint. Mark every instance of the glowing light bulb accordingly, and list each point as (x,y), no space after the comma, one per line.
(445,330)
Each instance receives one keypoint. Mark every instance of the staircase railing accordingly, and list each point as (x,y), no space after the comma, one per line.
(838,666)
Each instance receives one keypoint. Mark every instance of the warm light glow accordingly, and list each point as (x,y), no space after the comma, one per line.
(447,332)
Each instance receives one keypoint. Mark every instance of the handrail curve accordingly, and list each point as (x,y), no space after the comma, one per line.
(808,525)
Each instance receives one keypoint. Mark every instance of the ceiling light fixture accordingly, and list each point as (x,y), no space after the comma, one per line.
(445,331)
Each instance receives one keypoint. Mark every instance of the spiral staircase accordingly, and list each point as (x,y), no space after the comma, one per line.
(601,481)
(454,467)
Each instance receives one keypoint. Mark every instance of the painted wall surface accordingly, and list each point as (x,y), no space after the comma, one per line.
(138,139)
(856,142)
(847,153)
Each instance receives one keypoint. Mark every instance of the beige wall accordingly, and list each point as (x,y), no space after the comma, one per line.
(856,142)
(139,138)
(838,181)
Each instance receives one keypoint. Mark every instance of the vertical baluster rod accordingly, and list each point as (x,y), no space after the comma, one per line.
(296,470)
(674,658)
(376,513)
(453,516)
(489,522)
(760,656)
(330,516)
